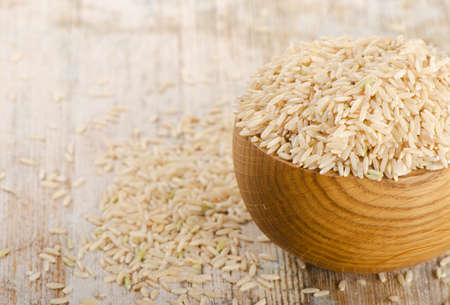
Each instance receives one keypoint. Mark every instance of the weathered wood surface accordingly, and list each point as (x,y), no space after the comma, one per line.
(64,48)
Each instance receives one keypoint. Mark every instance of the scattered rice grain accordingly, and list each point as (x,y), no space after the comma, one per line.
(58,301)
(67,200)
(67,290)
(361,282)
(445,261)
(310,290)
(394,299)
(409,276)
(53,285)
(59,194)
(57,230)
(248,286)
(28,162)
(267,257)
(34,276)
(90,302)
(321,293)
(261,302)
(4,252)
(382,277)
(51,259)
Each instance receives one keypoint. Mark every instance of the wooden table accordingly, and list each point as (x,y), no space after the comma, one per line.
(64,63)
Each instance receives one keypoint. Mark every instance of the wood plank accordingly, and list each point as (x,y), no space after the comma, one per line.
(67,47)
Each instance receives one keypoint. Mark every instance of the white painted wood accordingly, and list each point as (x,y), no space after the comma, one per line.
(51,50)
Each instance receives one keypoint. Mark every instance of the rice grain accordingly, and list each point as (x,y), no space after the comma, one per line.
(332,105)
(4,252)
(321,293)
(382,277)
(28,162)
(34,276)
(342,285)
(78,182)
(261,302)
(310,290)
(248,286)
(161,215)
(445,261)
(58,301)
(53,285)
(394,299)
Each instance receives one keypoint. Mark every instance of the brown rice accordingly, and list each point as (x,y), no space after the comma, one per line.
(369,106)
(173,213)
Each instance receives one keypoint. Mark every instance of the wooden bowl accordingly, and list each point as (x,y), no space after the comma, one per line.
(345,223)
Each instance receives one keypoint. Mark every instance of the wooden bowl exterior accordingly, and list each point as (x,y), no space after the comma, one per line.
(345,223)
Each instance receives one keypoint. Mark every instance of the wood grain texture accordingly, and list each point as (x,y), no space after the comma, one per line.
(68,47)
(345,223)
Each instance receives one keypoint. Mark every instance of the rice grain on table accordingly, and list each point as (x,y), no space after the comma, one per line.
(68,157)
(252,270)
(68,262)
(4,252)
(67,200)
(264,283)
(409,277)
(270,277)
(28,162)
(53,285)
(310,290)
(401,279)
(57,230)
(50,184)
(261,302)
(58,301)
(362,282)
(154,294)
(81,275)
(267,257)
(342,285)
(52,251)
(34,276)
(67,290)
(78,182)
(81,129)
(37,138)
(51,259)
(243,280)
(90,302)
(440,273)
(372,106)
(59,194)
(321,293)
(445,261)
(394,299)
(17,57)
(184,186)
(382,277)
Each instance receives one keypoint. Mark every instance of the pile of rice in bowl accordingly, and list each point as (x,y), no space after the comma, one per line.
(372,106)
